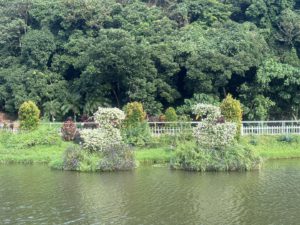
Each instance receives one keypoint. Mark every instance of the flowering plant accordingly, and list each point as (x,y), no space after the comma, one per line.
(109,117)
(213,132)
(100,139)
(108,134)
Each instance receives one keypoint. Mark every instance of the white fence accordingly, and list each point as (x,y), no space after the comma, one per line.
(271,127)
(176,128)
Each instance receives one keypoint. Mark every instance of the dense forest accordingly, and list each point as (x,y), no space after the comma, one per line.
(71,56)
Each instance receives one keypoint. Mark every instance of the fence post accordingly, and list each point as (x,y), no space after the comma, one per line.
(242,129)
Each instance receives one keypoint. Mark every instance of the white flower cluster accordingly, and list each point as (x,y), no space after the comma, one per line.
(100,139)
(207,112)
(215,135)
(107,117)
(209,133)
(108,134)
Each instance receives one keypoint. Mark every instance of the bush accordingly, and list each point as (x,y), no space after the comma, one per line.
(100,139)
(109,117)
(170,115)
(117,157)
(68,130)
(287,139)
(108,134)
(232,111)
(138,135)
(136,130)
(189,156)
(75,158)
(134,113)
(29,116)
(213,133)
(43,136)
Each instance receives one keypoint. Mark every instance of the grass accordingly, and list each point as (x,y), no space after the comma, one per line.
(45,145)
(40,146)
(274,147)
(37,154)
(154,155)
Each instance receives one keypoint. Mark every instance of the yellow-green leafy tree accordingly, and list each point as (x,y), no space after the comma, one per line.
(232,111)
(170,115)
(29,116)
(134,113)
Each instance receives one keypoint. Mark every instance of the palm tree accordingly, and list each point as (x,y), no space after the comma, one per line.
(72,104)
(51,109)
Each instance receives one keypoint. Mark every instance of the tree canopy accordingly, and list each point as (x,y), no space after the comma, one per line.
(72,56)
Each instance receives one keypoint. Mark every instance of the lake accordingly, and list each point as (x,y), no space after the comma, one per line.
(35,194)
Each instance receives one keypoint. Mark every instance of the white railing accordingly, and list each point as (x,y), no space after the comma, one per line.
(171,128)
(280,127)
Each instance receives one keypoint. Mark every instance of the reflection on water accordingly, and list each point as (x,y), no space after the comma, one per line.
(38,195)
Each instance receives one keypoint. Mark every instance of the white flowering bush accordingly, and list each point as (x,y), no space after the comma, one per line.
(100,139)
(210,133)
(207,112)
(109,117)
(108,134)
(215,135)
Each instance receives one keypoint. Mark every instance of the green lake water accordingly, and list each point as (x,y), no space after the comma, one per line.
(150,195)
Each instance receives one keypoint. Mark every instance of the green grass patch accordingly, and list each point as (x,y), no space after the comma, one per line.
(154,155)
(40,146)
(274,147)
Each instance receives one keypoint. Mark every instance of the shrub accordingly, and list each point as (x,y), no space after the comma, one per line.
(215,135)
(100,139)
(108,134)
(136,130)
(170,115)
(207,112)
(117,157)
(287,138)
(68,130)
(109,117)
(189,156)
(107,141)
(134,113)
(232,111)
(43,136)
(29,115)
(75,158)
(213,132)
(137,135)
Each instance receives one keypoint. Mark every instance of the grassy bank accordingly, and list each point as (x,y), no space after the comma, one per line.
(40,146)
(274,147)
(45,145)
(267,147)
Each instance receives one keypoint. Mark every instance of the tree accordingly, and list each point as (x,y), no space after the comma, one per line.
(232,111)
(29,116)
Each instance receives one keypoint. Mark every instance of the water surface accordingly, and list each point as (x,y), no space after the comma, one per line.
(38,195)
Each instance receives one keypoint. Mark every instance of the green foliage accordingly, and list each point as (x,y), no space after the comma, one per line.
(117,157)
(134,114)
(138,134)
(29,116)
(288,139)
(70,57)
(75,158)
(171,115)
(136,130)
(232,111)
(189,156)
(213,133)
(43,136)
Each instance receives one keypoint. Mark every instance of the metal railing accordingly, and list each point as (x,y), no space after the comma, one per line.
(280,127)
